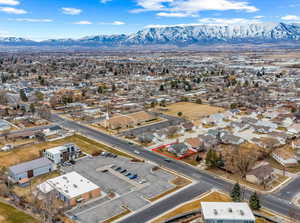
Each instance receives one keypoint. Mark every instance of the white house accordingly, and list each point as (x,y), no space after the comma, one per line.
(285,157)
(63,153)
(226,212)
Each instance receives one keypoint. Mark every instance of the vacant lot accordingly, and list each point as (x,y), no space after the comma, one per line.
(192,111)
(31,152)
(9,214)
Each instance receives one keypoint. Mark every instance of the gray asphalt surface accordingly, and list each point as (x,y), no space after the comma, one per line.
(205,181)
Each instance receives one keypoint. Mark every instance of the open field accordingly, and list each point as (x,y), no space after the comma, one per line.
(31,152)
(192,111)
(9,214)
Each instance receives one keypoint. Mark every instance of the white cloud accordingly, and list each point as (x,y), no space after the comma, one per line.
(258,17)
(220,21)
(9,2)
(83,23)
(116,23)
(193,6)
(71,11)
(290,18)
(174,14)
(10,10)
(105,1)
(31,20)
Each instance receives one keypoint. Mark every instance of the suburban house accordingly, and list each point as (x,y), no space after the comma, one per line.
(195,143)
(226,212)
(296,144)
(261,173)
(188,126)
(4,125)
(285,157)
(294,129)
(209,141)
(23,172)
(61,154)
(179,149)
(146,138)
(52,130)
(71,188)
(228,138)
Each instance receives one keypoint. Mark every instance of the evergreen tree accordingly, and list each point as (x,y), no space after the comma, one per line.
(162,88)
(100,90)
(32,108)
(236,193)
(254,202)
(212,159)
(23,95)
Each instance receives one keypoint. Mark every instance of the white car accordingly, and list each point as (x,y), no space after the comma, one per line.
(142,181)
(7,147)
(136,152)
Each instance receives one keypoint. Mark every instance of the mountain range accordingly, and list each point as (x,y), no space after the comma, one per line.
(178,35)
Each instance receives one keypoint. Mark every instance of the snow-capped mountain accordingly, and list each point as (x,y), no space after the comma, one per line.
(182,35)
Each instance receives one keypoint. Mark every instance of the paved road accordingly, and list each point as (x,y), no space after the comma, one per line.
(205,181)
(289,191)
(38,128)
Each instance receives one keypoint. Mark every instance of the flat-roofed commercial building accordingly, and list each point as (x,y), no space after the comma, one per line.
(71,188)
(226,212)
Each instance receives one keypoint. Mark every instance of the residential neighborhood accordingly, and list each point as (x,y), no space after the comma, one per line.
(88,137)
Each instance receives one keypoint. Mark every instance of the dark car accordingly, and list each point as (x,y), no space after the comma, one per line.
(133,177)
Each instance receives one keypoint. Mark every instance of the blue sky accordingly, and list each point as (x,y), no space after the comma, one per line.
(43,19)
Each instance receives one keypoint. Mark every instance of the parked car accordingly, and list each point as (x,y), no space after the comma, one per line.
(7,147)
(128,174)
(142,181)
(119,168)
(133,176)
(123,171)
(137,152)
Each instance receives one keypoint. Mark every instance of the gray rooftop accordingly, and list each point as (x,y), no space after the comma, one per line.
(24,167)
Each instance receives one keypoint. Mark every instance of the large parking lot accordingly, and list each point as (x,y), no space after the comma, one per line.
(132,183)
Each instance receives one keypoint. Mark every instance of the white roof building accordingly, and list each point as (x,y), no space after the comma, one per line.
(227,212)
(71,185)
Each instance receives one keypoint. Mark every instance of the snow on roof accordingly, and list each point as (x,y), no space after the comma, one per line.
(72,185)
(227,211)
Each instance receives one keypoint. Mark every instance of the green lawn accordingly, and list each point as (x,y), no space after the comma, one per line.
(9,214)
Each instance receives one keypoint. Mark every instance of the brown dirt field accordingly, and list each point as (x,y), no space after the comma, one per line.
(192,111)
(31,152)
